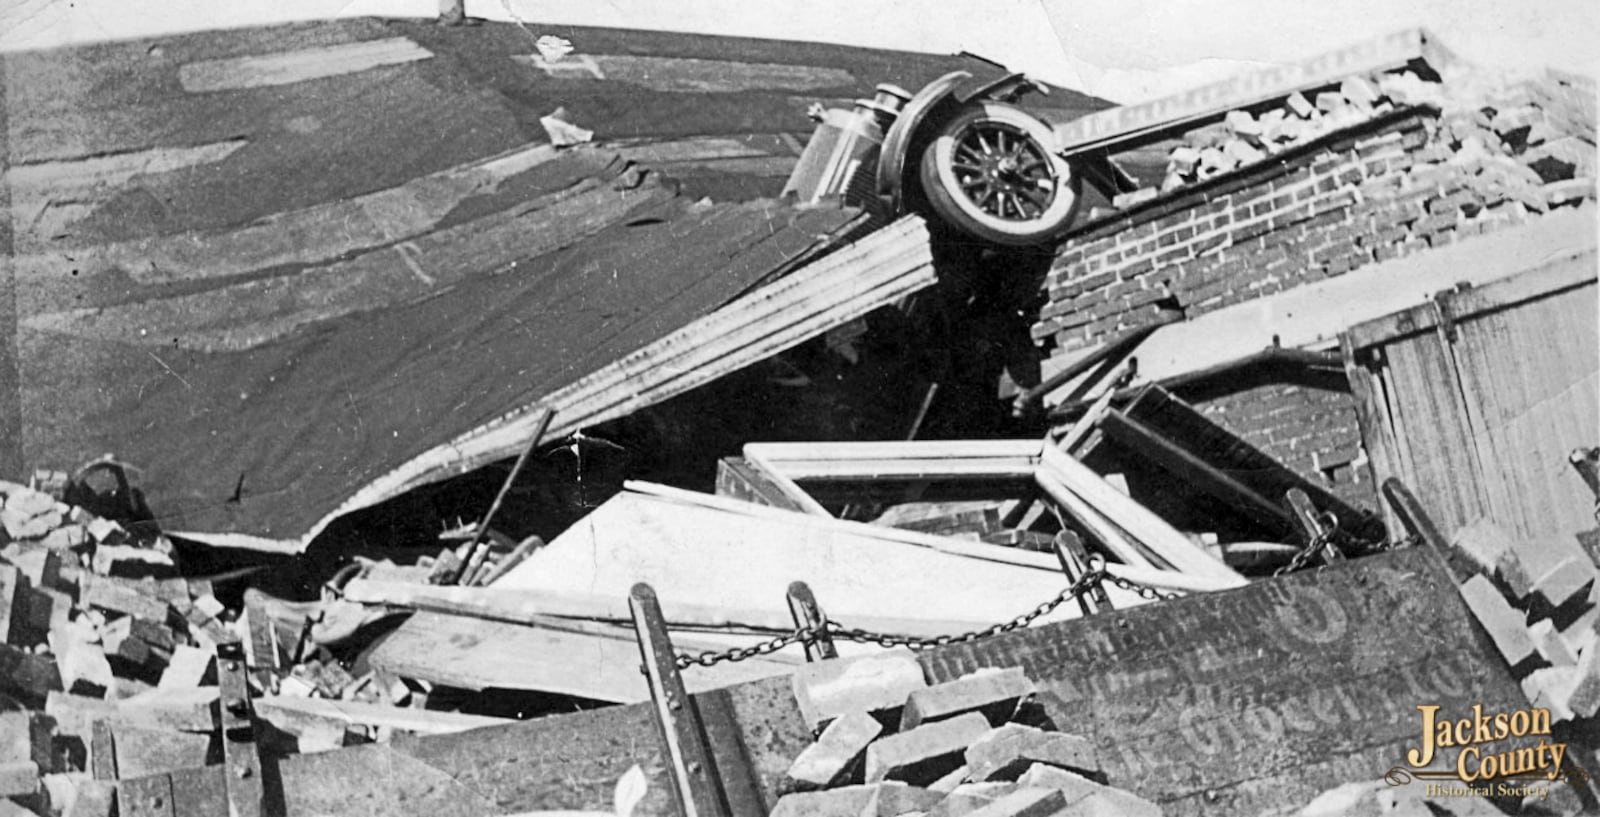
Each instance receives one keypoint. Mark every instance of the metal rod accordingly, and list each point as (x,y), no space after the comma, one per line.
(241,763)
(1074,563)
(474,556)
(1310,522)
(694,779)
(803,606)
(1110,348)
(1412,515)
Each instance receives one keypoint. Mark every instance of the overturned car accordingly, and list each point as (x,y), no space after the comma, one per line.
(959,150)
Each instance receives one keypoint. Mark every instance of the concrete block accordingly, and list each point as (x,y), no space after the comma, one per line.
(926,753)
(871,800)
(949,782)
(1008,751)
(993,692)
(835,754)
(1504,623)
(1359,91)
(1086,797)
(828,689)
(1584,700)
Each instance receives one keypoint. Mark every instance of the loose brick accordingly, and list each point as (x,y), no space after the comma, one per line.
(828,689)
(1026,802)
(1084,796)
(1007,751)
(872,800)
(1505,624)
(994,693)
(835,754)
(925,753)
(98,591)
(19,779)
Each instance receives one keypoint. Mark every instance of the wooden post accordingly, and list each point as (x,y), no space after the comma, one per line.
(689,764)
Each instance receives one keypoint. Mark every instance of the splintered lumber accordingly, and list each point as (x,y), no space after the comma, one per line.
(1167,542)
(888,264)
(296,715)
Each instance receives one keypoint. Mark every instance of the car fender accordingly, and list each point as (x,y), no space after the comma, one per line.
(954,86)
(897,142)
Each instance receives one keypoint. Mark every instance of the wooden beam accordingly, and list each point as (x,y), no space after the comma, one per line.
(1138,520)
(1194,471)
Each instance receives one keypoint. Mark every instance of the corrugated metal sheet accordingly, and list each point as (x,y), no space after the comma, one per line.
(1477,397)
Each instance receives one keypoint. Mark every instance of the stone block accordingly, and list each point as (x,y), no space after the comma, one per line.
(1025,802)
(837,752)
(1499,618)
(828,689)
(1008,751)
(926,753)
(1086,797)
(993,692)
(19,778)
(871,800)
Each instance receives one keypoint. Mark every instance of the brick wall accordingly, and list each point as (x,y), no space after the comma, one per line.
(1406,179)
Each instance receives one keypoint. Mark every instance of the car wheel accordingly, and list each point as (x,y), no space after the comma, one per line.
(990,173)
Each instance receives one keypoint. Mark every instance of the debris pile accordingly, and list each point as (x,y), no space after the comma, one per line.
(1540,603)
(889,743)
(1531,141)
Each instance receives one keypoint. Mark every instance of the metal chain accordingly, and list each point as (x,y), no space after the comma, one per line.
(1091,579)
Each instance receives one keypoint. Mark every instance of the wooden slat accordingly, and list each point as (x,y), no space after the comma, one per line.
(1110,535)
(1377,426)
(1139,521)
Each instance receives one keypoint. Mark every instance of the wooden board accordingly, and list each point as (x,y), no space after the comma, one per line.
(1260,698)
(1475,399)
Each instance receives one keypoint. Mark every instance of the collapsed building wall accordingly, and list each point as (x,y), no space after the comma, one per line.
(1298,191)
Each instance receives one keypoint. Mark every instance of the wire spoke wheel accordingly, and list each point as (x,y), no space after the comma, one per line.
(990,173)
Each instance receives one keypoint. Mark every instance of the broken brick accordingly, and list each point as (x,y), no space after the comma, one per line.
(1027,802)
(926,753)
(827,689)
(995,693)
(1504,623)
(836,752)
(1084,796)
(874,799)
(1007,751)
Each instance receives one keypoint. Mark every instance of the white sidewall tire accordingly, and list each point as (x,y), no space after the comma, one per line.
(943,190)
